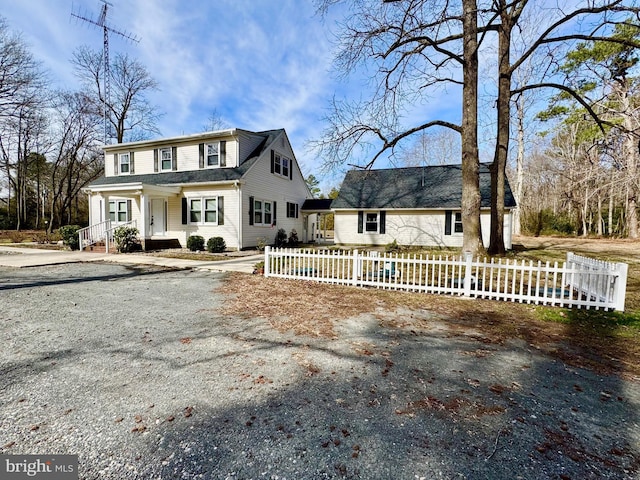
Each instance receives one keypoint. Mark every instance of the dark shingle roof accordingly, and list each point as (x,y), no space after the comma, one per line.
(317,204)
(413,187)
(173,178)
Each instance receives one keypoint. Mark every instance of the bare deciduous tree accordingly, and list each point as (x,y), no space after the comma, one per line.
(130,114)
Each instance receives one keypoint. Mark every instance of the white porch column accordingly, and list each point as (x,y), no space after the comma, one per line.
(91,222)
(105,206)
(144,214)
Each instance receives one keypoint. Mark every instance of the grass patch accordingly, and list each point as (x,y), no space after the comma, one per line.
(199,256)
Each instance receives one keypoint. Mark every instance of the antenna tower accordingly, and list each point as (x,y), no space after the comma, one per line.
(101,22)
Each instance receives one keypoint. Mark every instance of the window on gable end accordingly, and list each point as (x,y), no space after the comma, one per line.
(263,213)
(292,210)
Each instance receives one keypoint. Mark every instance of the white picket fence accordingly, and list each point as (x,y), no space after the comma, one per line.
(579,282)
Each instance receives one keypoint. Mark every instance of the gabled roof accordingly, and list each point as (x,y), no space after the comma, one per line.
(437,187)
(205,175)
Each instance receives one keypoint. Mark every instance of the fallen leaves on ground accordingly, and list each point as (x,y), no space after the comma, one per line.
(312,309)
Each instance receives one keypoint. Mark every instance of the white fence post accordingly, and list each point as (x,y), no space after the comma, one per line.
(355,271)
(267,251)
(468,257)
(620,287)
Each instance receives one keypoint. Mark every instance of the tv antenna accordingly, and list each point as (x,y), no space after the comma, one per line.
(101,22)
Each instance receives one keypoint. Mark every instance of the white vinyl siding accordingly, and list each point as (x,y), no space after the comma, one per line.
(228,231)
(410,227)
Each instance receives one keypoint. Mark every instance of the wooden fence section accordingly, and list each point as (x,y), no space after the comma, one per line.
(579,282)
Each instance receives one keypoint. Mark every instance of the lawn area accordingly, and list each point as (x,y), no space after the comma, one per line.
(603,341)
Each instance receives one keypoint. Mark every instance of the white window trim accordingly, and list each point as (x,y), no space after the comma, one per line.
(377,222)
(263,210)
(278,164)
(161,160)
(295,209)
(455,223)
(206,155)
(202,210)
(117,211)
(128,163)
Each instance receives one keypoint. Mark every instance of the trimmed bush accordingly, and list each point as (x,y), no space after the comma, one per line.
(216,245)
(281,238)
(69,234)
(195,243)
(126,239)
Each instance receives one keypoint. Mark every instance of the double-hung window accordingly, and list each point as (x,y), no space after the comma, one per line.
(292,210)
(371,222)
(165,159)
(125,163)
(213,154)
(457,223)
(204,210)
(119,211)
(281,165)
(262,212)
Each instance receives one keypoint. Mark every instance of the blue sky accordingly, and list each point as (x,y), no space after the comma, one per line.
(260,64)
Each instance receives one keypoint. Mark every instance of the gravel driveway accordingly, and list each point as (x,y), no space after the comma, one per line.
(138,372)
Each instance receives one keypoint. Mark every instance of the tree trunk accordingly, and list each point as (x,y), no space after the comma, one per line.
(496,243)
(517,222)
(470,208)
(611,203)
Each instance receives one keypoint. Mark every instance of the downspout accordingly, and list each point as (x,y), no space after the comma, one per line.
(237,186)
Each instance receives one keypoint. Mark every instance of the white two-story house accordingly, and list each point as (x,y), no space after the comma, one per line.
(236,184)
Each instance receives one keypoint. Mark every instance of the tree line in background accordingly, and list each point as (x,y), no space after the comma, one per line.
(419,50)
(50,139)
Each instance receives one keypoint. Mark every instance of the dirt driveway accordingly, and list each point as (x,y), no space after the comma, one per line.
(153,373)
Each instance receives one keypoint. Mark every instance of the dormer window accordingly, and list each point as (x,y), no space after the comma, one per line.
(165,159)
(213,154)
(125,163)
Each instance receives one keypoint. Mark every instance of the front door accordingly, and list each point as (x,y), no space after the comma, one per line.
(157,221)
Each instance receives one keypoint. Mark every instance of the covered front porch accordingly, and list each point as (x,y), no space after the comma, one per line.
(144,206)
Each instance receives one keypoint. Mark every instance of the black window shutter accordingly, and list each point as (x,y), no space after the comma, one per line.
(174,158)
(220,210)
(447,222)
(273,161)
(275,209)
(185,212)
(383,221)
(290,169)
(296,210)
(128,210)
(201,146)
(132,168)
(250,210)
(115,163)
(155,159)
(223,153)
(360,221)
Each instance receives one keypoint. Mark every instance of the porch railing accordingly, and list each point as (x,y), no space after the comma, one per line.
(579,282)
(93,233)
(99,232)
